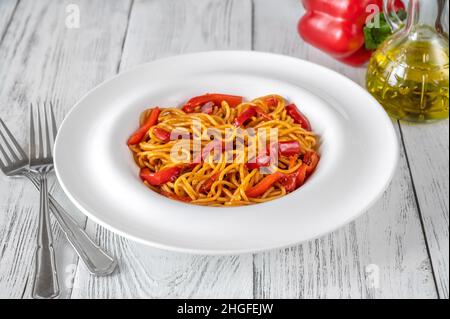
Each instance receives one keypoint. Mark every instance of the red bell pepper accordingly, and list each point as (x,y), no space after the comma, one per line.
(161,134)
(337,27)
(244,117)
(217,99)
(260,161)
(289,182)
(288,148)
(248,113)
(300,176)
(208,108)
(310,160)
(271,101)
(298,116)
(294,180)
(137,136)
(160,178)
(206,186)
(264,185)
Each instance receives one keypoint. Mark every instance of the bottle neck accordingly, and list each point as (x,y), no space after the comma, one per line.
(426,13)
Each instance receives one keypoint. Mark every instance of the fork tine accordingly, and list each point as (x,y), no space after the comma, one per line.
(40,139)
(13,155)
(2,165)
(48,141)
(2,150)
(32,134)
(14,141)
(54,126)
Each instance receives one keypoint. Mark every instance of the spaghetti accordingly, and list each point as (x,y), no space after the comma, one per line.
(217,175)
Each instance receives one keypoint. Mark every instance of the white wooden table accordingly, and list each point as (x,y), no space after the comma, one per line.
(398,249)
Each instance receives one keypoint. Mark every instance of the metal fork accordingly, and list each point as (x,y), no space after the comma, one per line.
(45,283)
(15,163)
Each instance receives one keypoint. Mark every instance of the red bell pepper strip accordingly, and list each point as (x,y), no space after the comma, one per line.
(160,178)
(260,161)
(217,99)
(298,117)
(300,176)
(161,134)
(294,180)
(337,27)
(263,160)
(288,148)
(208,108)
(289,181)
(206,186)
(310,160)
(137,136)
(266,183)
(188,108)
(248,113)
(244,117)
(271,101)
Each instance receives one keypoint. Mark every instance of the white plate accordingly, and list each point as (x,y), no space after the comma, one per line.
(359,153)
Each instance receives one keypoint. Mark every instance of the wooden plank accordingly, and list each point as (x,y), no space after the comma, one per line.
(427,150)
(156,29)
(42,59)
(380,255)
(428,154)
(7,8)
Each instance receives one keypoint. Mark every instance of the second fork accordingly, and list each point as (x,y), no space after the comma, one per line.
(45,283)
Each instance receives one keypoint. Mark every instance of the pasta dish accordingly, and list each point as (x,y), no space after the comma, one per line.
(219,150)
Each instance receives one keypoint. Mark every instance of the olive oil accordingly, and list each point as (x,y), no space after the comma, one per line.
(410,78)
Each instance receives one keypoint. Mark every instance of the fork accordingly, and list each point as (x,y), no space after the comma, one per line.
(16,163)
(45,283)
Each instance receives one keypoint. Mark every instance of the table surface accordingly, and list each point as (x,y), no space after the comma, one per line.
(398,249)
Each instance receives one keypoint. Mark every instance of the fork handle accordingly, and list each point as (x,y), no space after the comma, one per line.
(45,283)
(97,261)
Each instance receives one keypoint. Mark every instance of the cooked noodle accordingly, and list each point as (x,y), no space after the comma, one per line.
(229,181)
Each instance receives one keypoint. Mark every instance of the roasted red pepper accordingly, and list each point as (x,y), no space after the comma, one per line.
(271,101)
(244,117)
(137,136)
(206,186)
(300,176)
(217,99)
(161,134)
(208,108)
(310,160)
(288,148)
(264,185)
(249,113)
(298,116)
(262,160)
(160,178)
(289,182)
(337,27)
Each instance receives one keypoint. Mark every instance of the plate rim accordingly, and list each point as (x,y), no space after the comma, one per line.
(196,251)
